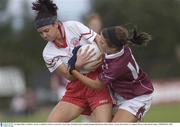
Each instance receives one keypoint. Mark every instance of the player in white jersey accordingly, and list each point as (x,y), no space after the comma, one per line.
(62,39)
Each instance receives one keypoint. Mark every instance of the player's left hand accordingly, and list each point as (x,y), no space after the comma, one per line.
(97,62)
(84,58)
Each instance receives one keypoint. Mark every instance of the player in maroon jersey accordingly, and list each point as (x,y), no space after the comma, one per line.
(130,86)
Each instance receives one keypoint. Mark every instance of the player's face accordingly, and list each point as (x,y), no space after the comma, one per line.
(49,32)
(105,47)
(103,43)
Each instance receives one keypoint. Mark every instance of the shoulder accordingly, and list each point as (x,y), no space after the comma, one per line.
(127,49)
(72,23)
(48,49)
(51,51)
(76,27)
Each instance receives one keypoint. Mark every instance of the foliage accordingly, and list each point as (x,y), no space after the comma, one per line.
(3,4)
(21,48)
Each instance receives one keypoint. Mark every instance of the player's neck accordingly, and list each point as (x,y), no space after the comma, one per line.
(59,39)
(111,51)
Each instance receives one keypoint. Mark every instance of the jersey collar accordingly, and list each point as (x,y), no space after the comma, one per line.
(115,55)
(62,32)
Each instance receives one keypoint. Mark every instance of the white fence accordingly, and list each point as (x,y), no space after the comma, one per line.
(12,81)
(166,91)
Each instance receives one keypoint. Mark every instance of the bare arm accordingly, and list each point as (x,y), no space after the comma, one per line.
(95,84)
(62,70)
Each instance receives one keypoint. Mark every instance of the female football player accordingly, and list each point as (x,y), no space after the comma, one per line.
(62,38)
(130,86)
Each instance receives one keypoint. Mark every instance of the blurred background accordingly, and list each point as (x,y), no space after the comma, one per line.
(27,90)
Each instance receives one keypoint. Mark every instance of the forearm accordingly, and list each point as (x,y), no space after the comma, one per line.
(63,71)
(94,84)
(70,77)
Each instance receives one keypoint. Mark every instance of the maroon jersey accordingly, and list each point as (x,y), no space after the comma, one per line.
(124,76)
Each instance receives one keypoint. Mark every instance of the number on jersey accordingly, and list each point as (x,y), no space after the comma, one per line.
(134,70)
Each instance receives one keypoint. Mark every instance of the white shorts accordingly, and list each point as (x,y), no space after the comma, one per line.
(138,106)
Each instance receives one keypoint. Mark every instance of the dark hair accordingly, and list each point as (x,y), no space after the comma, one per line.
(118,36)
(46,12)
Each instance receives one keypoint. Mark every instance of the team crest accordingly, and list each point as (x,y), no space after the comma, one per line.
(140,112)
(75,42)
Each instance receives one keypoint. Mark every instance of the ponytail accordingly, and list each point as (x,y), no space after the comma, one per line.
(118,36)
(140,38)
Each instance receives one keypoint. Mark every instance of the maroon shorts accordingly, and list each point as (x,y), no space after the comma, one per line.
(84,96)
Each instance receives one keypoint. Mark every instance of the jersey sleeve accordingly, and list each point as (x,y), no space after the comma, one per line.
(52,63)
(106,77)
(83,31)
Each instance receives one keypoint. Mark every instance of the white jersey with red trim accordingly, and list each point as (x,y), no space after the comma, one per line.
(76,34)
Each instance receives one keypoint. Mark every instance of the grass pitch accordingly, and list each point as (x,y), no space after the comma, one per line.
(157,113)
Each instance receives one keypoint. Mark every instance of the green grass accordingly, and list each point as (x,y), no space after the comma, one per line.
(158,113)
(36,117)
(163,113)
